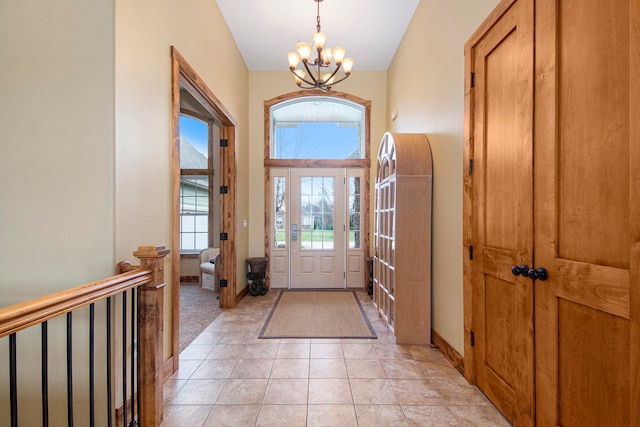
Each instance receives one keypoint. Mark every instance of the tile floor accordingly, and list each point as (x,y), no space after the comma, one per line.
(228,377)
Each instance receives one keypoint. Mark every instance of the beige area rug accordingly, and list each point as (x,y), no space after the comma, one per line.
(198,308)
(317,314)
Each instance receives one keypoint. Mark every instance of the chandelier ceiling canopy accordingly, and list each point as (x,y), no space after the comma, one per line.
(321,72)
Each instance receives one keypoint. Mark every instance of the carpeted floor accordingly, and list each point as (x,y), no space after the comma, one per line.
(198,308)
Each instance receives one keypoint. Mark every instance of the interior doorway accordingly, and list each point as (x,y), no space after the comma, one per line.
(185,80)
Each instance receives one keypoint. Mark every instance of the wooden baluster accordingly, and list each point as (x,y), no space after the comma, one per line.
(151,335)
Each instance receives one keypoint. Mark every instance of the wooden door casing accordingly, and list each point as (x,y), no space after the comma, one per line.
(502,226)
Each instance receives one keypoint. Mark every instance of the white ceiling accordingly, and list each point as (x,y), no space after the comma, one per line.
(266,30)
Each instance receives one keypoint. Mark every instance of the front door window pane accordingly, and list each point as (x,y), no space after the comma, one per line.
(316,222)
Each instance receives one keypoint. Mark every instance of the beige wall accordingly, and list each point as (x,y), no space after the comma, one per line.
(426,85)
(145,30)
(264,85)
(57,178)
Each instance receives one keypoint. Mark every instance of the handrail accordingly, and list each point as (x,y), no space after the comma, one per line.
(23,315)
(148,280)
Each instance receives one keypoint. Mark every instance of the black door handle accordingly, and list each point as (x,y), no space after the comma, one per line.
(538,274)
(521,270)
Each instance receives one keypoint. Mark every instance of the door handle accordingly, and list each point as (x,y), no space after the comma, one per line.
(521,270)
(294,231)
(538,274)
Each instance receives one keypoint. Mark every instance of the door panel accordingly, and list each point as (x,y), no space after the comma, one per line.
(586,213)
(318,213)
(503,213)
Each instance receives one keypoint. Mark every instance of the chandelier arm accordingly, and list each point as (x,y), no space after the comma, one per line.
(333,74)
(315,82)
(342,79)
(302,79)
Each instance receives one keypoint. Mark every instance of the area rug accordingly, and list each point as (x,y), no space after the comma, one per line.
(317,314)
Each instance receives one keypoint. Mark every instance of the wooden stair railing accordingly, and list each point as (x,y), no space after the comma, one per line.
(149,278)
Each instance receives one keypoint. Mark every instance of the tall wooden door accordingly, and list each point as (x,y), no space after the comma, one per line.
(502,227)
(587,217)
(318,230)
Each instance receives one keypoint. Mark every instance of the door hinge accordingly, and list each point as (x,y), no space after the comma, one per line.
(470,166)
(223,283)
(472,83)
(223,236)
(224,189)
(472,338)
(470,252)
(224,143)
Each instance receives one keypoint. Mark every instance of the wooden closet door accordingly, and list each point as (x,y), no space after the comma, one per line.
(587,216)
(502,224)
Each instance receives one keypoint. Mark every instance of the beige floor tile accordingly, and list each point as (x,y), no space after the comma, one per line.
(327,368)
(290,368)
(171,388)
(282,416)
(243,391)
(368,391)
(402,369)
(380,415)
(286,391)
(329,391)
(294,351)
(331,416)
(326,351)
(227,351)
(260,351)
(196,351)
(199,392)
(187,368)
(252,368)
(238,338)
(214,368)
(185,415)
(479,416)
(365,368)
(430,416)
(208,336)
(358,351)
(232,416)
(456,391)
(416,392)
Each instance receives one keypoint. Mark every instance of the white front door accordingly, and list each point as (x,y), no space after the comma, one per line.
(314,212)
(317,228)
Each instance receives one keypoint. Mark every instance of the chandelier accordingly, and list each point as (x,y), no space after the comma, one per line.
(321,72)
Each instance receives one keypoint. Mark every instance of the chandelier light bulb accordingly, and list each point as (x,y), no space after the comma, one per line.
(338,54)
(326,56)
(294,59)
(304,50)
(319,39)
(347,65)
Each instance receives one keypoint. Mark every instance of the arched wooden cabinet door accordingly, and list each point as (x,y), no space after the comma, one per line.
(402,262)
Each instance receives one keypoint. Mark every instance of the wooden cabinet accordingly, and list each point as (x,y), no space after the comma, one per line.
(552,99)
(402,262)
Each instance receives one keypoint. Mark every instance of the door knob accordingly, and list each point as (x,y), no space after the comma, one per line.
(539,274)
(517,271)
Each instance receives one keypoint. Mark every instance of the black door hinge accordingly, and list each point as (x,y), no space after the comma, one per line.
(223,283)
(223,236)
(472,338)
(224,143)
(224,189)
(473,80)
(470,166)
(471,252)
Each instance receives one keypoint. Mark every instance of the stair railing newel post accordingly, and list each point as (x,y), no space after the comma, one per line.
(150,340)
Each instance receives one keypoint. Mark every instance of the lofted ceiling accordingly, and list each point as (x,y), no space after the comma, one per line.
(266,30)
